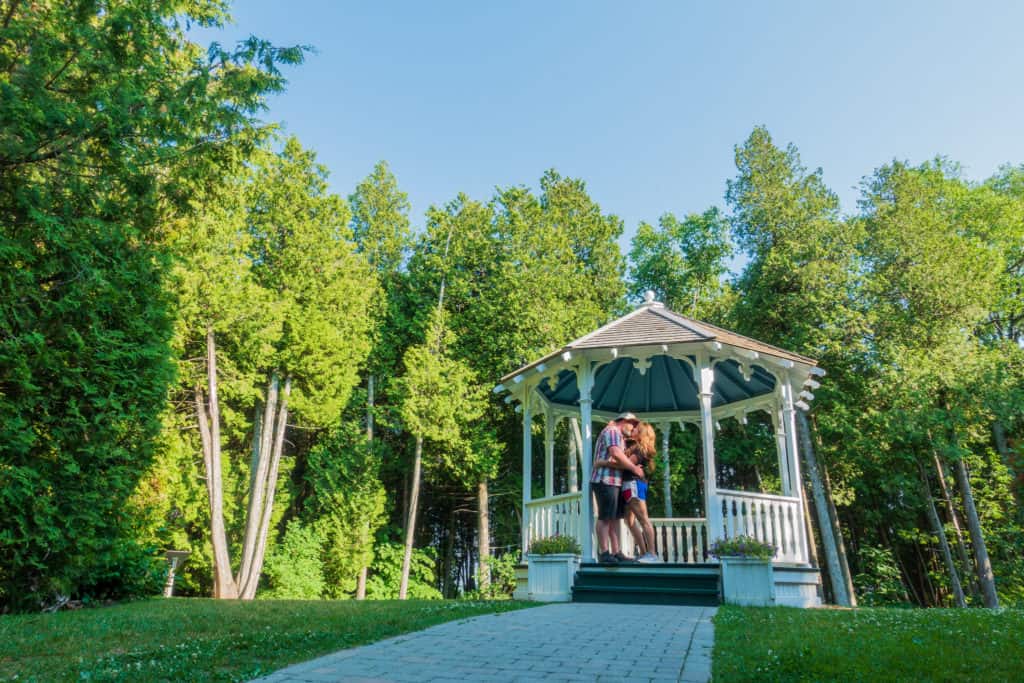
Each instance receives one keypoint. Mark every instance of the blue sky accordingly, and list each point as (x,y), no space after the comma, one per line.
(643,100)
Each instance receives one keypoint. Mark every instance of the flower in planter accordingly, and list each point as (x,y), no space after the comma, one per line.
(742,546)
(555,545)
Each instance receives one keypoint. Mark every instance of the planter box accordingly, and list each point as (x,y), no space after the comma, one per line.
(747,581)
(550,577)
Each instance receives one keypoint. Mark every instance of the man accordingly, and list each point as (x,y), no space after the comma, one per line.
(606,483)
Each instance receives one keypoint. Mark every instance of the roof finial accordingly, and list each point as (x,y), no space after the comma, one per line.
(649,300)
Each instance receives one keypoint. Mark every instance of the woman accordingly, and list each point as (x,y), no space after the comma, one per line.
(634,491)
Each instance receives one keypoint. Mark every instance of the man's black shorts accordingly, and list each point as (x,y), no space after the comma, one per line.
(607,501)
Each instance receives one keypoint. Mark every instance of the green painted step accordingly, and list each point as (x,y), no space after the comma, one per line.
(675,584)
(641,595)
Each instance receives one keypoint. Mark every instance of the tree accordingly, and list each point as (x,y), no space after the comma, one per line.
(523,275)
(682,262)
(441,397)
(798,290)
(111,118)
(931,283)
(380,227)
(346,505)
(289,300)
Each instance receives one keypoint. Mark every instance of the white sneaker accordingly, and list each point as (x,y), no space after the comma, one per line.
(649,558)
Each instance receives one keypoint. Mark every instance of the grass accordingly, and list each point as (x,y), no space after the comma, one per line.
(787,644)
(206,640)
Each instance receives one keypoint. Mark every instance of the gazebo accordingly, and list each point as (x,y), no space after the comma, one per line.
(671,370)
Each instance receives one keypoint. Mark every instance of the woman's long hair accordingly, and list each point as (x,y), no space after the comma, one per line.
(645,442)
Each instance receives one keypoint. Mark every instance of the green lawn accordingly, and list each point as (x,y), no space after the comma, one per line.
(786,644)
(206,640)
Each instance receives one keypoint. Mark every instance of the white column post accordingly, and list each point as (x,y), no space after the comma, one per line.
(585,381)
(549,452)
(789,427)
(780,445)
(705,379)
(666,474)
(527,465)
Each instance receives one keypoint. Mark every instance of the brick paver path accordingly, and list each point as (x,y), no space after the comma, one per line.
(562,642)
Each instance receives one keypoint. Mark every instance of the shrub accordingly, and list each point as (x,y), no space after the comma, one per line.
(555,545)
(386,573)
(503,579)
(742,546)
(294,569)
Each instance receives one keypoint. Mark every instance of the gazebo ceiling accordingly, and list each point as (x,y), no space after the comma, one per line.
(645,364)
(666,386)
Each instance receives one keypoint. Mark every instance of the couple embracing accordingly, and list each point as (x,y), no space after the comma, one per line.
(623,459)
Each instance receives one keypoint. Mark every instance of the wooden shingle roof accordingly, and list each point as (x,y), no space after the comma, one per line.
(652,324)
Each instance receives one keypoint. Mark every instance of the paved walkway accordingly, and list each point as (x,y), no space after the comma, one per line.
(551,643)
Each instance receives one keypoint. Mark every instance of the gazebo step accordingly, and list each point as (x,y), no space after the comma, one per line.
(625,578)
(645,595)
(648,584)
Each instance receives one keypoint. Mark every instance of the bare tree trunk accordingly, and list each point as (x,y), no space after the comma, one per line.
(812,546)
(361,584)
(254,460)
(909,591)
(446,559)
(1003,448)
(369,408)
(828,540)
(410,527)
(252,581)
(844,564)
(483,530)
(961,547)
(259,487)
(576,439)
(924,576)
(985,576)
(224,585)
(666,475)
(947,556)
(361,580)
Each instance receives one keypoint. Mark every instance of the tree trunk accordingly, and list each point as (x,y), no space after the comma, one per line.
(369,408)
(961,547)
(361,584)
(361,580)
(947,556)
(1003,448)
(254,459)
(253,580)
(909,592)
(812,546)
(410,527)
(224,585)
(483,530)
(259,487)
(666,474)
(924,576)
(828,540)
(446,560)
(575,453)
(985,576)
(844,563)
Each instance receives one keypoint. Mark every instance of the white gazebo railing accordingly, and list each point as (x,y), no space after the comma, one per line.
(769,518)
(556,515)
(766,517)
(680,540)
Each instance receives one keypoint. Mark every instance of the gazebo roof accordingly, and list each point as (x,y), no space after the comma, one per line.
(666,343)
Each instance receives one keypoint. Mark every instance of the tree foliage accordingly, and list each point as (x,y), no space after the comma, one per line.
(109,117)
